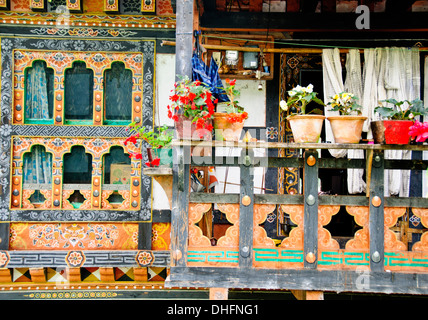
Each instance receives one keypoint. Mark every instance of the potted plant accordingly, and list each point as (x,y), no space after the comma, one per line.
(159,153)
(348,125)
(228,125)
(192,109)
(304,126)
(396,119)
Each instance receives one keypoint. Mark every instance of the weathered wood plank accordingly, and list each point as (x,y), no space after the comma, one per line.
(180,206)
(300,279)
(377,203)
(310,215)
(246,210)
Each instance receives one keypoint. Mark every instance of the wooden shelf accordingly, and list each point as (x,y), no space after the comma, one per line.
(241,43)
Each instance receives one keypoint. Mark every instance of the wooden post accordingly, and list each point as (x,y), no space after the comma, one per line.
(180,206)
(376,223)
(310,218)
(184,38)
(246,209)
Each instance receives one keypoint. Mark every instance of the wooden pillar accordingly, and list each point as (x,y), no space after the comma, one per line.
(184,38)
(180,206)
(376,223)
(246,209)
(310,216)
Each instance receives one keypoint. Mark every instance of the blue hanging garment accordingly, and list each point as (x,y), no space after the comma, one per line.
(217,88)
(200,70)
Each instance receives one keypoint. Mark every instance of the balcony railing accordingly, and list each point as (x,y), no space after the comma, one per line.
(309,258)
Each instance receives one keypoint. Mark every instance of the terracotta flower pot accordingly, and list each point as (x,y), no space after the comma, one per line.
(347,129)
(306,127)
(226,130)
(186,130)
(391,131)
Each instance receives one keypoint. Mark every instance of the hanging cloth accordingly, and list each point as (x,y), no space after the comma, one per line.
(36,102)
(401,82)
(332,84)
(216,86)
(353,84)
(209,77)
(37,168)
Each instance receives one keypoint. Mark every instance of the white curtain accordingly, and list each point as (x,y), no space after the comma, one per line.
(332,84)
(354,84)
(388,73)
(401,77)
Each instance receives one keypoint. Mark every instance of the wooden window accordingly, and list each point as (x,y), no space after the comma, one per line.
(117,94)
(79,91)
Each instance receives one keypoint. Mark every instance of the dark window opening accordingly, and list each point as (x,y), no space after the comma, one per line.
(77,166)
(117,93)
(117,167)
(79,90)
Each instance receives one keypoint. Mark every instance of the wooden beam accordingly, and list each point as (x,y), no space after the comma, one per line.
(300,279)
(214,21)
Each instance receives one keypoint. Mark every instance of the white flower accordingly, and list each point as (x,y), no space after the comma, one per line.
(411,116)
(283,105)
(292,93)
(309,88)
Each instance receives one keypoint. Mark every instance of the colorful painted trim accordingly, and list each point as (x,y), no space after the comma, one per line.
(117,258)
(225,256)
(82,20)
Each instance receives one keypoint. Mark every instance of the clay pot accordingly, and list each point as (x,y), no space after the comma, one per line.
(226,130)
(347,129)
(186,130)
(306,127)
(391,131)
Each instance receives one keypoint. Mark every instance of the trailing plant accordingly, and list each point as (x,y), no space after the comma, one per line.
(157,138)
